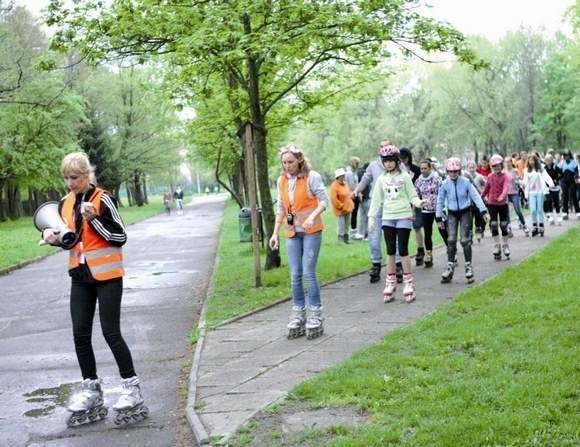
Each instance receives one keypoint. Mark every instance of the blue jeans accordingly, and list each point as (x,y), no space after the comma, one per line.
(516,202)
(303,250)
(375,238)
(536,200)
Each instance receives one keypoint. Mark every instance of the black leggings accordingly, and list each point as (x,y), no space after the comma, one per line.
(83,300)
(428,219)
(397,238)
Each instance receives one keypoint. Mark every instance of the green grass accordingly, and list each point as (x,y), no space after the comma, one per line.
(234,279)
(19,238)
(498,366)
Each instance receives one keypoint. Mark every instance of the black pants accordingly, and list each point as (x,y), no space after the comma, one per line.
(397,238)
(85,292)
(354,214)
(428,219)
(569,195)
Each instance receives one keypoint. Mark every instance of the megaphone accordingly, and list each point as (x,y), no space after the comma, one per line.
(47,216)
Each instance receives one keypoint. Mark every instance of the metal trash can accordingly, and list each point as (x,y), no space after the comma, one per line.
(245,224)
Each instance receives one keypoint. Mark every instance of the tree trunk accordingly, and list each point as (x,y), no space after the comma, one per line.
(137,191)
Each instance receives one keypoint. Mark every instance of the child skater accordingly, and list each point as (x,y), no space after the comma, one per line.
(342,204)
(394,191)
(495,194)
(427,185)
(535,181)
(457,193)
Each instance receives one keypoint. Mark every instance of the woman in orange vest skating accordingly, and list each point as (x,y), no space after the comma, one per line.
(301,199)
(96,270)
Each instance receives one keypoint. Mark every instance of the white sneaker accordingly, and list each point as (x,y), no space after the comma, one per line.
(357,237)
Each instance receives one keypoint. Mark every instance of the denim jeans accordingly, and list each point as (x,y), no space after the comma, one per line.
(536,200)
(303,250)
(375,238)
(459,223)
(517,203)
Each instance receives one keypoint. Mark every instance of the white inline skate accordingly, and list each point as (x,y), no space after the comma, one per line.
(314,328)
(130,408)
(87,406)
(506,251)
(390,288)
(497,252)
(469,273)
(297,325)
(409,288)
(447,274)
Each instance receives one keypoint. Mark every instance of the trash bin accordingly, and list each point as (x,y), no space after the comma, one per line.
(245,224)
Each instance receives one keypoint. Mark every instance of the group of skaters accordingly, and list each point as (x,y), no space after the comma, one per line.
(395,198)
(176,197)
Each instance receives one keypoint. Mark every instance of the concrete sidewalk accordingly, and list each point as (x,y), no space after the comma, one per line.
(246,364)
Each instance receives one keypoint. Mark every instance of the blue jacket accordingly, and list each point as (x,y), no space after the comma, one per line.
(457,195)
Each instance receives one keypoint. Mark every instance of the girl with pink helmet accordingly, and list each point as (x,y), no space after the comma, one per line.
(495,193)
(394,191)
(456,195)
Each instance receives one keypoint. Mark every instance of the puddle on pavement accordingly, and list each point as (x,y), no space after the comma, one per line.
(47,399)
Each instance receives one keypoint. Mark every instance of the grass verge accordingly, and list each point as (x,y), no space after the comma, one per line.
(498,366)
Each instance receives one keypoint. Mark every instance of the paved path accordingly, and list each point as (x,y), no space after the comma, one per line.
(245,365)
(168,261)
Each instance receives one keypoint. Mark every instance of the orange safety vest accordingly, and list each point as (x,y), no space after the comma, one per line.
(105,260)
(302,207)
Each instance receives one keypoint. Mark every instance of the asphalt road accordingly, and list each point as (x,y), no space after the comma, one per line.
(168,260)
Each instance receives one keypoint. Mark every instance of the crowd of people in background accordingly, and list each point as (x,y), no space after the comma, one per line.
(462,197)
(390,197)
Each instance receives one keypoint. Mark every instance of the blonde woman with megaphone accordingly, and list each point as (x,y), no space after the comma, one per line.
(96,270)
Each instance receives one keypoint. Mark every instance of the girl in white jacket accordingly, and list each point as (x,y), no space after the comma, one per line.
(536,183)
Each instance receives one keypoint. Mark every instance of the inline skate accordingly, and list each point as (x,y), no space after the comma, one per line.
(428,259)
(420,256)
(314,328)
(506,251)
(390,288)
(87,406)
(375,272)
(447,274)
(497,252)
(297,325)
(469,272)
(130,407)
(409,288)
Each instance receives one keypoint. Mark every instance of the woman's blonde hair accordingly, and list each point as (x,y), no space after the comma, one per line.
(303,164)
(78,163)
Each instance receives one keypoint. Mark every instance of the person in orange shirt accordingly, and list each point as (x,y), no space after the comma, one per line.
(522,164)
(342,204)
(96,270)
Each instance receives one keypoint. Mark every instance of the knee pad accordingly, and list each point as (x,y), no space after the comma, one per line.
(465,243)
(494,228)
(504,227)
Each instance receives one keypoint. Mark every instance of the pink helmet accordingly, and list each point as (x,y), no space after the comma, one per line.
(453,164)
(389,151)
(495,160)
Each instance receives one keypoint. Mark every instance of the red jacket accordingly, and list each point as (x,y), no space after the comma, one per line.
(496,189)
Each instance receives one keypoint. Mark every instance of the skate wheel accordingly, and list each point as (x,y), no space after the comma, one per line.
(388,299)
